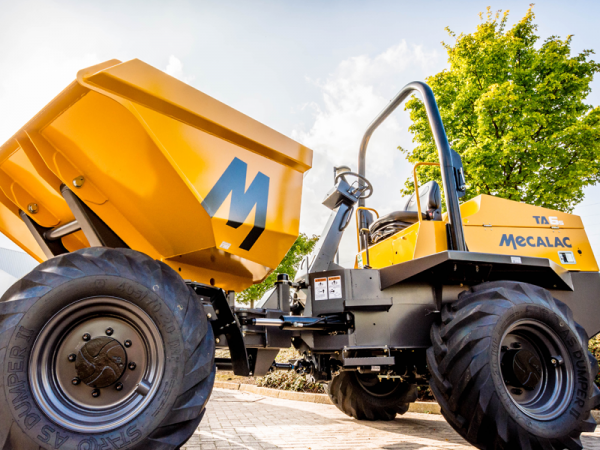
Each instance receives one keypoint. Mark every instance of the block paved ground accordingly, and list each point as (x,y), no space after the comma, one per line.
(239,420)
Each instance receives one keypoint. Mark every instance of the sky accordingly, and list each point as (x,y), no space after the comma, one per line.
(316,71)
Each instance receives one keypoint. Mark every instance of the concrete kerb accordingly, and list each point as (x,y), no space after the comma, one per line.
(417,407)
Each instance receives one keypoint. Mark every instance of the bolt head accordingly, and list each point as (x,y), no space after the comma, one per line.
(132,365)
(217,340)
(109,331)
(86,337)
(33,208)
(119,386)
(96,393)
(209,315)
(78,182)
(554,361)
(75,381)
(127,343)
(72,357)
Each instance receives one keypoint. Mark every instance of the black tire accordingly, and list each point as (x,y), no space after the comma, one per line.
(471,378)
(100,278)
(366,398)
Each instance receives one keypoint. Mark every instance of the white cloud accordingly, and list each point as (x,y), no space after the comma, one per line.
(175,69)
(352,96)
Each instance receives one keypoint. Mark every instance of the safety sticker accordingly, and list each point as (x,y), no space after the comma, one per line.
(359,261)
(567,258)
(515,260)
(320,288)
(335,287)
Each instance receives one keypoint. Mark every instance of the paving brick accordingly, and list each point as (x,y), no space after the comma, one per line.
(244,420)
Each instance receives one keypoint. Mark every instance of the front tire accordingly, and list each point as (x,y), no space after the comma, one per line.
(103,348)
(365,397)
(511,369)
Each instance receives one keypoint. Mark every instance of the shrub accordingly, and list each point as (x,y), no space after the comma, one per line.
(290,381)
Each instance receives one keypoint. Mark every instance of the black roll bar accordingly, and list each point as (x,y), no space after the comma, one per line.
(444,152)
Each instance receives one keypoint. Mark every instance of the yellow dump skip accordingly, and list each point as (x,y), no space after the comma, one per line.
(173,172)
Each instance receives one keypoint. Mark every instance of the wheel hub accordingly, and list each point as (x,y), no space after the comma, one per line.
(96,364)
(537,370)
(101,362)
(522,368)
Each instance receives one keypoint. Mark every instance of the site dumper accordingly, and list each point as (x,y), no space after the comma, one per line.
(150,204)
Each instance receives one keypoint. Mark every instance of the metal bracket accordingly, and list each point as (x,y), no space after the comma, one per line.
(228,325)
(96,231)
(50,247)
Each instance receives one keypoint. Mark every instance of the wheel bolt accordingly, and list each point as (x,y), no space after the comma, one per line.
(86,337)
(516,345)
(96,393)
(109,331)
(516,391)
(132,366)
(119,386)
(127,343)
(72,357)
(75,381)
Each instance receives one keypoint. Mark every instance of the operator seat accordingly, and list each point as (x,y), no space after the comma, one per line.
(431,203)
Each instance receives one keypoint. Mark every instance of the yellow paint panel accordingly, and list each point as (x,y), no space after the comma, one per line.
(486,209)
(543,243)
(415,241)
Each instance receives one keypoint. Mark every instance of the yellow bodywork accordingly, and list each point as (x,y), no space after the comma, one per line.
(150,149)
(494,225)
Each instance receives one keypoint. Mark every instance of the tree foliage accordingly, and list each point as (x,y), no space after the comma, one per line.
(302,247)
(516,113)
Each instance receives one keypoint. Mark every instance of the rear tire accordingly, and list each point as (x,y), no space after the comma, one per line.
(511,369)
(103,348)
(364,397)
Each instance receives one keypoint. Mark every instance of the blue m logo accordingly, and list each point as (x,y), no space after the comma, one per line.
(233,181)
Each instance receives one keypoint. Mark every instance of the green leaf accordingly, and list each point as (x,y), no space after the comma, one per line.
(515,111)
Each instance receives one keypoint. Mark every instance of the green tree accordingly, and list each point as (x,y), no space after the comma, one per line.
(516,113)
(302,247)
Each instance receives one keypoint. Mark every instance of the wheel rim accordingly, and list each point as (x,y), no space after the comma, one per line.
(375,386)
(117,368)
(537,370)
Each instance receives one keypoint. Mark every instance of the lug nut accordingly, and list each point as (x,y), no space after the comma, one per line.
(86,337)
(132,366)
(516,391)
(556,361)
(109,331)
(75,381)
(504,348)
(72,357)
(119,386)
(127,343)
(516,345)
(96,393)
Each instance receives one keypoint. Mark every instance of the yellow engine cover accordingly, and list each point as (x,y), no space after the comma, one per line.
(497,225)
(494,225)
(173,172)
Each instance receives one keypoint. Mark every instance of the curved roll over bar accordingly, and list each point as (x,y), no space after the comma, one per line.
(450,164)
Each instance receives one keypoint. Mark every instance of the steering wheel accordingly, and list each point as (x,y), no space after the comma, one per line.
(367,188)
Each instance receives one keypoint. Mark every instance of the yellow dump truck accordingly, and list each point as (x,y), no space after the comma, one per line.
(150,204)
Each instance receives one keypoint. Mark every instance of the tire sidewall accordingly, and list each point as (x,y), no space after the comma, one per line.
(577,407)
(15,365)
